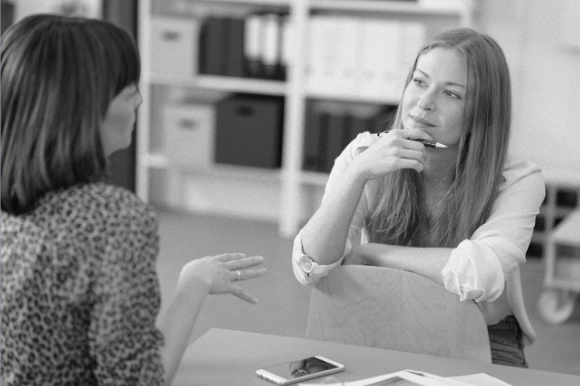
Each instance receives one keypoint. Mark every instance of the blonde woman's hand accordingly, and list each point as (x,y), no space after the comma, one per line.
(391,152)
(220,274)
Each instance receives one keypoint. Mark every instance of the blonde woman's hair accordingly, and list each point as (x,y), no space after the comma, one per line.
(400,216)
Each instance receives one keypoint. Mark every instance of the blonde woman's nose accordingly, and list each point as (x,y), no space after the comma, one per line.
(426,102)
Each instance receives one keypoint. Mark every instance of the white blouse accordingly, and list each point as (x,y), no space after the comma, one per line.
(478,267)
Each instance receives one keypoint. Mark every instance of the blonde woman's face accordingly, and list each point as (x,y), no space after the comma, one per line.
(119,121)
(434,100)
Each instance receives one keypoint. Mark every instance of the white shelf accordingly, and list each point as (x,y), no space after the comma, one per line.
(314,178)
(356,98)
(279,3)
(255,86)
(568,231)
(222,83)
(287,193)
(407,7)
(160,161)
(153,160)
(234,172)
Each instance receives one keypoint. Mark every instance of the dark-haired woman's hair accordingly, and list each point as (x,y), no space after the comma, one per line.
(59,75)
(400,216)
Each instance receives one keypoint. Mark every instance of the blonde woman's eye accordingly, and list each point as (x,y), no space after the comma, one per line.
(452,94)
(418,82)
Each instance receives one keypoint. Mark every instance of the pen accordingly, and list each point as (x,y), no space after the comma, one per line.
(426,142)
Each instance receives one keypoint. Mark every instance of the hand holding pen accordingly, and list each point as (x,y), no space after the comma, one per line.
(426,142)
(396,151)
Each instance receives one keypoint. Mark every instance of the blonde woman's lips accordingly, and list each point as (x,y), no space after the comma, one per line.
(422,121)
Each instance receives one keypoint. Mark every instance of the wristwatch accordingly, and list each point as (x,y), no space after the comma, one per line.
(306,264)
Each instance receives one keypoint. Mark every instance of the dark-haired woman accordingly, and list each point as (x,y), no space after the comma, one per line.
(80,294)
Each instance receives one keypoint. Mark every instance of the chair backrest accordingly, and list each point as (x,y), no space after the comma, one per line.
(397,310)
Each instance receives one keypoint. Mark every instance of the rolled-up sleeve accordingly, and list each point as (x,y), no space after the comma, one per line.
(477,269)
(318,271)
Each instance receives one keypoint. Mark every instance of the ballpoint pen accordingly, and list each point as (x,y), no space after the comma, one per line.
(426,142)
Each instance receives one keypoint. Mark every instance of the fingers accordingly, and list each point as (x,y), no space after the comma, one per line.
(242,294)
(225,257)
(245,274)
(250,273)
(407,154)
(411,154)
(404,139)
(244,262)
(412,164)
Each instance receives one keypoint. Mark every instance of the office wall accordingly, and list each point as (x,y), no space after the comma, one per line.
(545,66)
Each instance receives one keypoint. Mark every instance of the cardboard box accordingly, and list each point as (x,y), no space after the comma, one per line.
(189,140)
(174,46)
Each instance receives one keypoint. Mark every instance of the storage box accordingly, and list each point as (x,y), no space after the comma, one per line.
(249,131)
(173,46)
(189,140)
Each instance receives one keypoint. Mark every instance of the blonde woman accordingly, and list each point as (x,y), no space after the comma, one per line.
(462,215)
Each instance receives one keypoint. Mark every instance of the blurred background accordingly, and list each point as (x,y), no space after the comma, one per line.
(248,102)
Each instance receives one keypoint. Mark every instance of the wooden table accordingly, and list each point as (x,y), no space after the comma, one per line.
(226,357)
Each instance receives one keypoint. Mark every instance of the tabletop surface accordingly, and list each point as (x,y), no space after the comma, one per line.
(227,357)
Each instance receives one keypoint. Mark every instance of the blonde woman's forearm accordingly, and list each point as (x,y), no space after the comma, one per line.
(428,262)
(324,236)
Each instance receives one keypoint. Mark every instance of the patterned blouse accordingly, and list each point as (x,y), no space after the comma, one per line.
(80,292)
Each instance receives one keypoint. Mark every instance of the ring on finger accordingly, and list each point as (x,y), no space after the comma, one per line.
(239,276)
(408,132)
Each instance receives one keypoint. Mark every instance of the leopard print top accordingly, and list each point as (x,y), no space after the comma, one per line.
(80,293)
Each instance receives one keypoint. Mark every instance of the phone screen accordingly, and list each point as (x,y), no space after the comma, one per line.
(301,369)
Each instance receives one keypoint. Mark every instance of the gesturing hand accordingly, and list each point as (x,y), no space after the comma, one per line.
(220,272)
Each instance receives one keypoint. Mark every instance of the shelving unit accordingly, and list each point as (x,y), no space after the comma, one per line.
(562,278)
(557,241)
(287,195)
(558,183)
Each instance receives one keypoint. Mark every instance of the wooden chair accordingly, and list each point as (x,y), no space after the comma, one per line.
(397,310)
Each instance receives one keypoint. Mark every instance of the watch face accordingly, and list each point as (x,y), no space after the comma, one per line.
(306,264)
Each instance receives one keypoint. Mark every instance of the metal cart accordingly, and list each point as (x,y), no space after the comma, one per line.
(562,280)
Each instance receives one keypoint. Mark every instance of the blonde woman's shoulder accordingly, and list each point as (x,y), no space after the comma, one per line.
(517,169)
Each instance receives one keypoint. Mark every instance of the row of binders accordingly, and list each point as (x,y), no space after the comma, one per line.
(345,56)
(254,46)
(330,127)
(357,57)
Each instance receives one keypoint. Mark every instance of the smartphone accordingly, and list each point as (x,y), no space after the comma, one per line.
(300,370)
